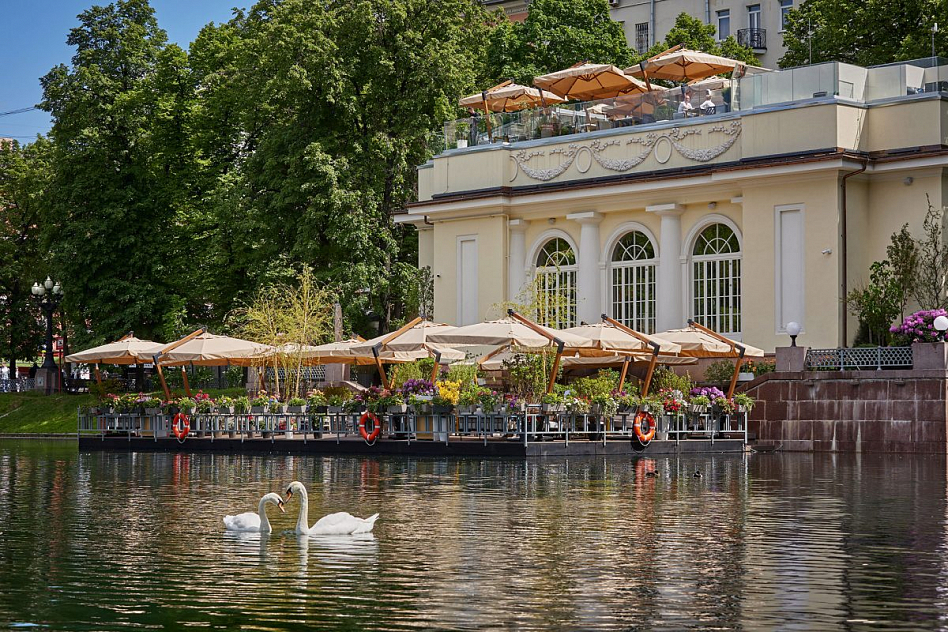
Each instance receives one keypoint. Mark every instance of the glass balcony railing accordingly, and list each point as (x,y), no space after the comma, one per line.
(589,116)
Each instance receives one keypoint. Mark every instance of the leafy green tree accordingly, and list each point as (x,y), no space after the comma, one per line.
(313,117)
(931,281)
(117,223)
(877,303)
(555,35)
(694,34)
(902,253)
(24,174)
(862,32)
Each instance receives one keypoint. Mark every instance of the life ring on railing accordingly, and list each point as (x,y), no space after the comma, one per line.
(181,431)
(376,427)
(644,418)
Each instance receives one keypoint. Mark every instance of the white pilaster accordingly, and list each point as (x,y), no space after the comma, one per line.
(516,260)
(669,314)
(588,303)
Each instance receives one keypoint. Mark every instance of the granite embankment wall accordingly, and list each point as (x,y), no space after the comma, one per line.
(852,411)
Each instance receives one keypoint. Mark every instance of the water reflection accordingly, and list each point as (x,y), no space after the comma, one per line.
(98,541)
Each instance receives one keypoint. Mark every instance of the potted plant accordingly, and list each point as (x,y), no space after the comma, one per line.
(204,406)
(448,394)
(468,401)
(225,405)
(699,404)
(605,405)
(744,402)
(296,405)
(419,405)
(258,405)
(335,403)
(317,402)
(152,406)
(552,403)
(488,400)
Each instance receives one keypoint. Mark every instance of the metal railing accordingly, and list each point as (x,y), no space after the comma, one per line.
(17,385)
(752,38)
(529,425)
(859,359)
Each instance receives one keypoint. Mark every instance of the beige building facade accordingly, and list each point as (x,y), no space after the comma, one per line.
(745,220)
(758,24)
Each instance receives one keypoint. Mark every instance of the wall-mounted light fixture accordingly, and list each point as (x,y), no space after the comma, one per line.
(908,180)
(551,221)
(712,205)
(827,251)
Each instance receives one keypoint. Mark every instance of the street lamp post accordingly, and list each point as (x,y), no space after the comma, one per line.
(48,295)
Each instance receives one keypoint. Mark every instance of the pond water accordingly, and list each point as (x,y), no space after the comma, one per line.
(103,541)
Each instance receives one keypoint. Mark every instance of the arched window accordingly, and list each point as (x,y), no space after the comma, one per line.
(716,279)
(555,284)
(633,282)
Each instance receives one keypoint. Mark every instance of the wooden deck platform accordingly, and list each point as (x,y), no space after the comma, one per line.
(456,447)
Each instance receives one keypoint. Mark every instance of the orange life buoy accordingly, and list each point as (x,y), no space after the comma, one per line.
(376,426)
(181,431)
(643,418)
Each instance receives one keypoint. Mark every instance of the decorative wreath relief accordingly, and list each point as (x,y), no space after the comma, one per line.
(647,142)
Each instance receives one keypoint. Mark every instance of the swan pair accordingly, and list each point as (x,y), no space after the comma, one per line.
(340,523)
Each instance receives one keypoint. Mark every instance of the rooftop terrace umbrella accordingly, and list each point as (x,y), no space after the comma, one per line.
(509,97)
(584,82)
(683,65)
(697,341)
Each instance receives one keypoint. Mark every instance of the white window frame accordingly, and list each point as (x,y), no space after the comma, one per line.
(559,274)
(785,7)
(635,269)
(724,14)
(715,261)
(753,9)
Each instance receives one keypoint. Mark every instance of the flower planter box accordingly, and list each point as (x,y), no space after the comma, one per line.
(258,410)
(398,410)
(745,376)
(698,410)
(466,410)
(151,412)
(553,408)
(442,410)
(296,409)
(321,410)
(225,410)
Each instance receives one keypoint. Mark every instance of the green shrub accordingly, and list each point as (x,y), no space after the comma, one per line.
(598,386)
(234,377)
(664,378)
(719,372)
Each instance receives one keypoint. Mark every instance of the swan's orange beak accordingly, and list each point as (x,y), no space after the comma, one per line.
(280,505)
(289,494)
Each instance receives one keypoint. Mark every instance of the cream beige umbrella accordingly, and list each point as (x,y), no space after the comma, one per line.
(585,82)
(697,341)
(125,350)
(202,348)
(609,336)
(514,331)
(510,97)
(411,341)
(498,362)
(339,352)
(683,65)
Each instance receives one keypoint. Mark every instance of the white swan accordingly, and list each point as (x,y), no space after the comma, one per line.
(255,522)
(340,523)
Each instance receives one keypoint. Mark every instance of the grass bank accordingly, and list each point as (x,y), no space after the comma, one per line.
(36,413)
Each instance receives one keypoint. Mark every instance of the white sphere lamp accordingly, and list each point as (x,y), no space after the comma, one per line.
(793,330)
(941,323)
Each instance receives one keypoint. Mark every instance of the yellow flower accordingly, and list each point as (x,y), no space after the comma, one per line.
(449,390)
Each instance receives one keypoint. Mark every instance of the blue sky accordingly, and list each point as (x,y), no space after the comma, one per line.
(33,40)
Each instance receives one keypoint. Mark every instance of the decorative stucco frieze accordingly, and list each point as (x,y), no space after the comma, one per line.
(598,147)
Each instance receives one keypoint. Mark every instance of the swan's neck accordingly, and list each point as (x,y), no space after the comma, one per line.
(262,512)
(302,524)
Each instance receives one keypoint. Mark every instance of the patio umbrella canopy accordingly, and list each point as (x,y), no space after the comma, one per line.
(332,353)
(128,350)
(208,349)
(640,360)
(608,337)
(699,344)
(510,97)
(507,332)
(683,65)
(411,339)
(585,82)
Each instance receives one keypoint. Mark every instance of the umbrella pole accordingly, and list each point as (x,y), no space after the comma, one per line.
(161,376)
(437,365)
(737,369)
(625,371)
(98,376)
(651,368)
(556,364)
(379,366)
(184,376)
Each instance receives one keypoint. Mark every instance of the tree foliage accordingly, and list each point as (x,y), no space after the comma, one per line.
(556,34)
(862,32)
(24,174)
(692,33)
(932,265)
